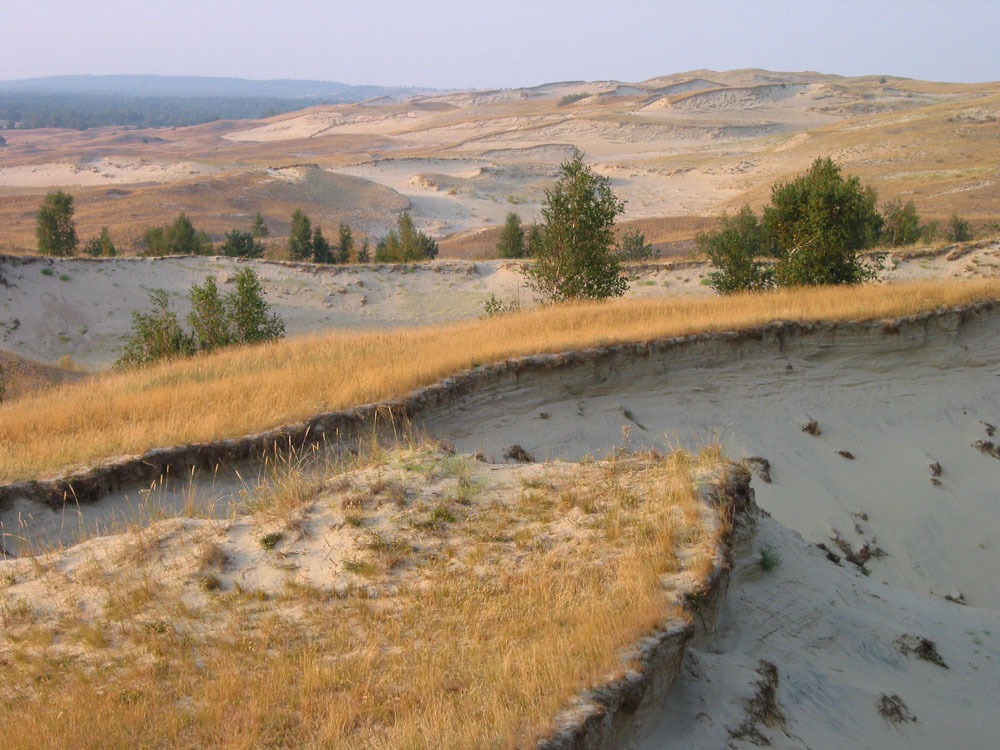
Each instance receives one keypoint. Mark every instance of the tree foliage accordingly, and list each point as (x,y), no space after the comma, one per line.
(54,227)
(300,238)
(405,243)
(734,248)
(533,241)
(633,246)
(249,315)
(240,244)
(321,252)
(155,334)
(900,223)
(511,242)
(364,252)
(958,229)
(816,228)
(345,243)
(102,246)
(259,228)
(209,317)
(819,223)
(178,238)
(216,320)
(574,258)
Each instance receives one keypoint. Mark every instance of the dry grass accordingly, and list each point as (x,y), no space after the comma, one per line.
(476,637)
(244,390)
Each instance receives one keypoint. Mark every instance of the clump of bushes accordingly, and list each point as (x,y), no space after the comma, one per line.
(815,228)
(405,244)
(101,247)
(178,238)
(216,320)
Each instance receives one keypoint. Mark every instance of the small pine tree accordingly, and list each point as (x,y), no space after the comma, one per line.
(345,244)
(54,229)
(250,319)
(511,242)
(364,252)
(321,251)
(633,246)
(300,237)
(241,244)
(259,228)
(208,319)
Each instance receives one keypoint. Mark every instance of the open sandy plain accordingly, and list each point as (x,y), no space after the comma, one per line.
(688,144)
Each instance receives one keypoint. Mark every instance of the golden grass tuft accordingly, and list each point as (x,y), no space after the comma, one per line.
(244,390)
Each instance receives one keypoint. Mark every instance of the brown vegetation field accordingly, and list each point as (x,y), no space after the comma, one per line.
(244,390)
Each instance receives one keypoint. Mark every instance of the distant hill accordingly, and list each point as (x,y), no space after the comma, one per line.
(187,86)
(86,101)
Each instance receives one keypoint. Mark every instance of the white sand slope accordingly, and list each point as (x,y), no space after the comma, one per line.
(896,402)
(50,308)
(836,640)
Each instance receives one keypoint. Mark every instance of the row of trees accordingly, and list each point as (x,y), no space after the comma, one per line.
(216,320)
(816,229)
(56,234)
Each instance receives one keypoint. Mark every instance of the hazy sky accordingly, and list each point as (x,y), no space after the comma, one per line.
(467,43)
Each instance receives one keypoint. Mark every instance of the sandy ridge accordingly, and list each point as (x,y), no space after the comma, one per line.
(87,485)
(615,712)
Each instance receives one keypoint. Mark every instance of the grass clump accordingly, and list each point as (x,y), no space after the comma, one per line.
(770,558)
(271,540)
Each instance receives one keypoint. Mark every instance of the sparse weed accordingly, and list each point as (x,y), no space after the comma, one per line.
(769,558)
(270,541)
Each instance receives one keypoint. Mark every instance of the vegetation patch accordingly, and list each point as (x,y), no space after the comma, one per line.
(475,635)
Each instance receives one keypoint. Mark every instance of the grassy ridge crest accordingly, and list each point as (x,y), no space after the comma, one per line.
(250,389)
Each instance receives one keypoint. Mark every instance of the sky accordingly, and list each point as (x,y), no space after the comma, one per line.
(500,43)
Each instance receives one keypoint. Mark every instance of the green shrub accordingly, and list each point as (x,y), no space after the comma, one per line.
(405,244)
(155,334)
(54,227)
(241,317)
(495,306)
(178,238)
(958,229)
(734,248)
(241,244)
(769,558)
(633,246)
(270,541)
(570,98)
